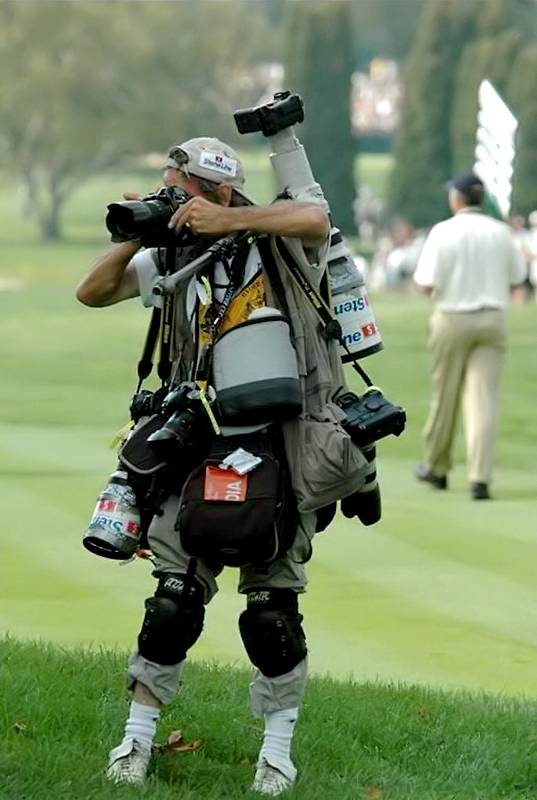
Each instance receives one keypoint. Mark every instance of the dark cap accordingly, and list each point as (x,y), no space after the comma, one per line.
(470,187)
(467,182)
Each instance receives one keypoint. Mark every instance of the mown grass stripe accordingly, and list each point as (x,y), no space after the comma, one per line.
(463,591)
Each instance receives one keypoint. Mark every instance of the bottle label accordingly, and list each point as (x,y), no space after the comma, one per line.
(117,513)
(358,326)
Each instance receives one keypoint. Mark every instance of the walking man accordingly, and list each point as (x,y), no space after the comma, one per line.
(469,264)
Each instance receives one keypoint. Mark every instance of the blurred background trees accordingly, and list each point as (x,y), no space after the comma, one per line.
(92,86)
(88,84)
(319,67)
(457,45)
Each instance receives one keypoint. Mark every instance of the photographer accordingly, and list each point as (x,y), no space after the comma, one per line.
(212,176)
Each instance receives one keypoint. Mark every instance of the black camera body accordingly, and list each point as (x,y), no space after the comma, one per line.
(146,403)
(147,219)
(285,110)
(370,417)
(186,426)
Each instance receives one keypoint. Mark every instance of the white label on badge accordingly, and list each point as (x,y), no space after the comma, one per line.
(240,461)
(228,166)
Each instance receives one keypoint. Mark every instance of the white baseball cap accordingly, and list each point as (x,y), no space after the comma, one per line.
(209,158)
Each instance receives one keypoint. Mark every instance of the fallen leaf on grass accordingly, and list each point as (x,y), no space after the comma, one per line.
(19,727)
(374,793)
(175,743)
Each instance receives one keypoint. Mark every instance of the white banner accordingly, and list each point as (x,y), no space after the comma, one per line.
(495,147)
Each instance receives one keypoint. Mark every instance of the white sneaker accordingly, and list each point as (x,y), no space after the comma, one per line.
(272,781)
(128,762)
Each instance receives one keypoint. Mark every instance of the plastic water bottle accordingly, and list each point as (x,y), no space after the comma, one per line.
(114,529)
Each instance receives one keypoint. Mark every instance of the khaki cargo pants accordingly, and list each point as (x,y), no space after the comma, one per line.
(467,352)
(266,694)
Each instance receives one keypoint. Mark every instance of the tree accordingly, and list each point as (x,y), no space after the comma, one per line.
(439,122)
(56,108)
(520,94)
(489,57)
(422,147)
(319,67)
(103,81)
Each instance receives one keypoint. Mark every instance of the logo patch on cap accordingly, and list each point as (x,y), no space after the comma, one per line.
(218,163)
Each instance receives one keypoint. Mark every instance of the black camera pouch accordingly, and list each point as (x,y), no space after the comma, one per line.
(136,453)
(238,520)
(152,479)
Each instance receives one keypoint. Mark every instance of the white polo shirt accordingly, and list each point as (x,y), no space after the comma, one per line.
(471,261)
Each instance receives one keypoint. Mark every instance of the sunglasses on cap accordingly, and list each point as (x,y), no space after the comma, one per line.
(180,157)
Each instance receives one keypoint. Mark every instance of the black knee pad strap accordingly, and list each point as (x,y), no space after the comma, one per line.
(173,620)
(272,632)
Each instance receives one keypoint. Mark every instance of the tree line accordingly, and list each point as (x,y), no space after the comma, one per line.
(457,45)
(88,86)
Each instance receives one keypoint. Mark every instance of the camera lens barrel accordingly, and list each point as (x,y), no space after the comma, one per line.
(148,219)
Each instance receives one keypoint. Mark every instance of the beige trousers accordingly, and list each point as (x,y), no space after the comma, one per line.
(467,352)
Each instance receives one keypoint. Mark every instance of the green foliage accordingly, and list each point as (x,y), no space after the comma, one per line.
(64,710)
(422,146)
(376,35)
(489,57)
(520,91)
(319,68)
(103,81)
(486,39)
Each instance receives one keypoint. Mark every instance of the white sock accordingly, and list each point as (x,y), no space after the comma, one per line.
(142,723)
(276,748)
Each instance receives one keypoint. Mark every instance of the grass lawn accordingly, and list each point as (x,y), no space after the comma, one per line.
(441,592)
(64,709)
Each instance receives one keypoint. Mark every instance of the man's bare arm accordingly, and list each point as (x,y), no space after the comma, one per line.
(306,221)
(111,278)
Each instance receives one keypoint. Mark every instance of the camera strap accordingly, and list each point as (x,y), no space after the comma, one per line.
(235,268)
(166,327)
(161,323)
(331,327)
(145,364)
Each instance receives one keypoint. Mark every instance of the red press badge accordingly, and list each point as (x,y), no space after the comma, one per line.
(224,484)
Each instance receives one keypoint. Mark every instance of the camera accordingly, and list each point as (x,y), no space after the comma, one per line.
(371,416)
(147,219)
(186,428)
(285,110)
(146,403)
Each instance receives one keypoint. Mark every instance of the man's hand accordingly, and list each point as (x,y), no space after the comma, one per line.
(202,217)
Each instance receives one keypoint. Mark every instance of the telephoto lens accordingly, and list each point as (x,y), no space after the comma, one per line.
(365,503)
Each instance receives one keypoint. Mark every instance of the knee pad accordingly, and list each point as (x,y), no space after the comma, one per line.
(271,631)
(173,620)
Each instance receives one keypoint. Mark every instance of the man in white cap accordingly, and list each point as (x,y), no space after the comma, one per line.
(469,264)
(212,176)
